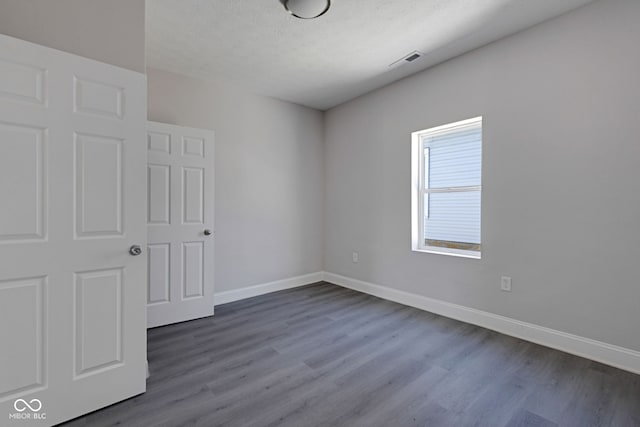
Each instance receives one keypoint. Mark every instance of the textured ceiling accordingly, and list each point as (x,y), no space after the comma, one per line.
(339,56)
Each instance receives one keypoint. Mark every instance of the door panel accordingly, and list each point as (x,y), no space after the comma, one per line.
(160,142)
(159,193)
(180,208)
(23,298)
(193,146)
(192,270)
(159,278)
(98,185)
(98,321)
(193,196)
(22,185)
(98,98)
(22,82)
(72,185)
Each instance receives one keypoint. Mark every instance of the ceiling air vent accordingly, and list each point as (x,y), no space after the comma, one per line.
(411,57)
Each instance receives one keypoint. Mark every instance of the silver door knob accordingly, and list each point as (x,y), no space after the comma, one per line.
(207,232)
(135,250)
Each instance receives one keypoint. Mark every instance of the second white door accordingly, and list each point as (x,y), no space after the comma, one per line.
(180,220)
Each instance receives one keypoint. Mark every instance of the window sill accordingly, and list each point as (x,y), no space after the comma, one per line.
(448,251)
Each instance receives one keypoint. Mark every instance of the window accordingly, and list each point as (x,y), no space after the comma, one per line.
(447,188)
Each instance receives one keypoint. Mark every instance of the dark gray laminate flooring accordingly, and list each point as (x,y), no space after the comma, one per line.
(322,355)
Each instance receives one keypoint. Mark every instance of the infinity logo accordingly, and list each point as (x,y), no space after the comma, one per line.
(21,405)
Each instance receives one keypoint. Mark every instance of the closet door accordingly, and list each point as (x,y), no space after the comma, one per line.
(180,221)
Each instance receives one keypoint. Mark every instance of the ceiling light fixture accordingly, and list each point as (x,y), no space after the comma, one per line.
(306,9)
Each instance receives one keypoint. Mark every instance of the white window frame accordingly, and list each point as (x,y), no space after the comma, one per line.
(419,190)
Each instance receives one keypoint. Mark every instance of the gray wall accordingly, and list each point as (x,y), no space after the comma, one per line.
(561,195)
(269,176)
(110,31)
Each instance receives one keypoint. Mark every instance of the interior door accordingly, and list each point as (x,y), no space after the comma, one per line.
(72,191)
(180,223)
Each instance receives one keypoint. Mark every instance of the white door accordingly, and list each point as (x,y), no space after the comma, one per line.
(72,191)
(180,223)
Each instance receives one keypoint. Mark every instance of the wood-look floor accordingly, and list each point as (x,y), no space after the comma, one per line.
(322,355)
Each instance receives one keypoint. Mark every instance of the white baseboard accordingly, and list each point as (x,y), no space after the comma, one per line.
(266,288)
(609,354)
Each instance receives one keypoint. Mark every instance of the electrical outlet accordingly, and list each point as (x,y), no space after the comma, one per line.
(354,257)
(505,284)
